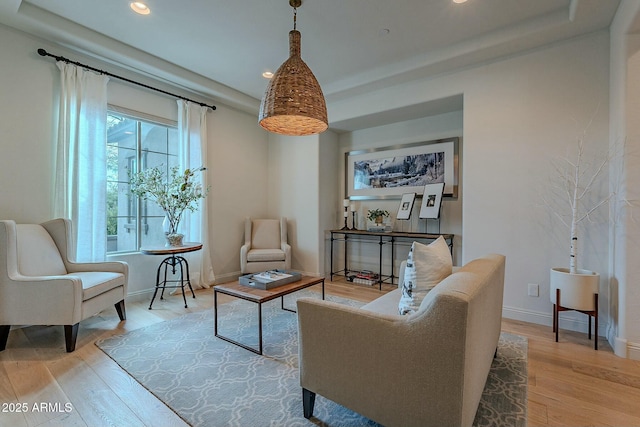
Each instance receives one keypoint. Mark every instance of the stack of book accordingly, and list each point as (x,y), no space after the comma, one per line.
(365,277)
(269,279)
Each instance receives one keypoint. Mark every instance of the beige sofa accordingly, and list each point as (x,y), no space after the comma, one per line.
(424,369)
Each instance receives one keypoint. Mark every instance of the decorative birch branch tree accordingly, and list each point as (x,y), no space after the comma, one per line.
(577,179)
(577,182)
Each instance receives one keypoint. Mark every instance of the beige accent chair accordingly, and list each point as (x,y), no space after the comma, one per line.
(40,284)
(265,246)
(423,369)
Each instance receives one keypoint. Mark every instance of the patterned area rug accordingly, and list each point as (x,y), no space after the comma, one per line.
(210,382)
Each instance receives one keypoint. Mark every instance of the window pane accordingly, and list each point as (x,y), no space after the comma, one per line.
(173,142)
(121,219)
(154,235)
(121,130)
(134,145)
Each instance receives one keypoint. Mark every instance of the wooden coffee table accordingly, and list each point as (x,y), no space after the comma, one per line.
(259,296)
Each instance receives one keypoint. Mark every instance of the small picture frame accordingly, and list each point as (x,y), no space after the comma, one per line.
(406,206)
(431,201)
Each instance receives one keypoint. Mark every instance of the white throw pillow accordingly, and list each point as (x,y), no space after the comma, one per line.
(427,265)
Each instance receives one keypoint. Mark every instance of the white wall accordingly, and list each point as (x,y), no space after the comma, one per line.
(300,182)
(625,231)
(238,149)
(518,114)
(236,168)
(630,244)
(237,163)
(418,130)
(27,86)
(329,192)
(293,189)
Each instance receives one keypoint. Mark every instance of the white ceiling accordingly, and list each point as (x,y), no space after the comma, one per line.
(219,48)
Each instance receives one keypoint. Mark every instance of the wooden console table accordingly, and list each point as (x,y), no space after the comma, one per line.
(381,238)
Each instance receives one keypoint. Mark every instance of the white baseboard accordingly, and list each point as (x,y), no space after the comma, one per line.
(619,345)
(541,318)
(229,277)
(147,294)
(144,294)
(624,348)
(530,316)
(307,273)
(633,350)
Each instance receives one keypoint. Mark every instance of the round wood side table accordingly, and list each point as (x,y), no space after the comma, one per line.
(175,261)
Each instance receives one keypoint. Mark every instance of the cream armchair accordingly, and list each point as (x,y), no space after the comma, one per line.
(265,245)
(40,284)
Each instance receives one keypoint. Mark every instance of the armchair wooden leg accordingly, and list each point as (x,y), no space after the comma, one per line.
(122,313)
(308,401)
(4,336)
(595,298)
(555,312)
(70,336)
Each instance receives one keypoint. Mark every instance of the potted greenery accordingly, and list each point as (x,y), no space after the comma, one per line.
(576,180)
(174,195)
(377,215)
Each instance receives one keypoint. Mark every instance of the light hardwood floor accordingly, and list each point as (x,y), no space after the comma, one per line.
(570,384)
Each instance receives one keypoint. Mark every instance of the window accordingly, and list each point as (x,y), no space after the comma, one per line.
(134,144)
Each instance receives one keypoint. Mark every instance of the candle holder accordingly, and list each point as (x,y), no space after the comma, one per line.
(345,203)
(353,208)
(346,215)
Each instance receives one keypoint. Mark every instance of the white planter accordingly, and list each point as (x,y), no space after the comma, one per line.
(174,239)
(576,289)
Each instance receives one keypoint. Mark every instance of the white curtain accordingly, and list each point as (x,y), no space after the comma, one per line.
(192,130)
(80,171)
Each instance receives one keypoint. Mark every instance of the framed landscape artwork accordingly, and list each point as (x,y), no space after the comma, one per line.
(431,201)
(390,172)
(406,206)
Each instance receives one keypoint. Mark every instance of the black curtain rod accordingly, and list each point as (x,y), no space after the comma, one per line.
(43,52)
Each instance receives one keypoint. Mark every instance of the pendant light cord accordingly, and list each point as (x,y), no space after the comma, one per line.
(295,14)
(295,4)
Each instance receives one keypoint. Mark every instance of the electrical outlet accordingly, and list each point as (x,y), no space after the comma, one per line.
(534,290)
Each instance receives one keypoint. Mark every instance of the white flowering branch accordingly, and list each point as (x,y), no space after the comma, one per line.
(174,195)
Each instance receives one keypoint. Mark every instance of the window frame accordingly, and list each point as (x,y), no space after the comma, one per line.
(135,205)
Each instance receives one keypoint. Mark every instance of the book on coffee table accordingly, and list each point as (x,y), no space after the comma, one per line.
(269,279)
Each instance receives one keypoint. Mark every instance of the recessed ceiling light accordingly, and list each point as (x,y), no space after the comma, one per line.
(267,74)
(459,1)
(140,8)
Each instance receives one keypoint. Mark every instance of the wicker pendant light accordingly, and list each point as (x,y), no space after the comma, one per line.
(293,103)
